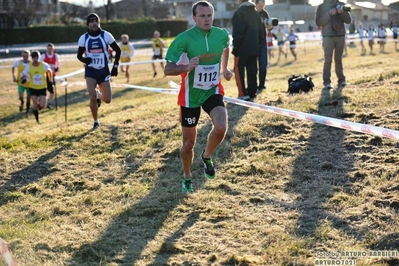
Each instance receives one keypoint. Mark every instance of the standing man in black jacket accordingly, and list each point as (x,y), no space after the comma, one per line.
(247,34)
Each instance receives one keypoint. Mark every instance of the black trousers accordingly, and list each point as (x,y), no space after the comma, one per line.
(250,65)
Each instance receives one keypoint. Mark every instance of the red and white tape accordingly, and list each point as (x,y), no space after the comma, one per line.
(6,254)
(60,79)
(324,120)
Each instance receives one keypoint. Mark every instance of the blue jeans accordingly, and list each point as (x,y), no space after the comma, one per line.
(262,61)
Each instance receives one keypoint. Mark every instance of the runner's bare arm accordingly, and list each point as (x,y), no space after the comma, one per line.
(225,61)
(171,69)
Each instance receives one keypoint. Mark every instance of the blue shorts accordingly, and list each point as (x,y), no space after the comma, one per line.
(100,75)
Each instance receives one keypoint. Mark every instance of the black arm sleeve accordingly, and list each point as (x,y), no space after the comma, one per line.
(81,50)
(117,50)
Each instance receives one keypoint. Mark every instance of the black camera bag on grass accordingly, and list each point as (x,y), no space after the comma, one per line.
(298,83)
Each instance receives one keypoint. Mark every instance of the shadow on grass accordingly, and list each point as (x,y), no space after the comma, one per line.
(321,172)
(125,239)
(71,97)
(36,170)
(12,118)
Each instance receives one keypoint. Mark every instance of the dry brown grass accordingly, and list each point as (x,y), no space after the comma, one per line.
(285,188)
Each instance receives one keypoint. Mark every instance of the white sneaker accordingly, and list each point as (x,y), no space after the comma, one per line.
(244,98)
(328,87)
(98,93)
(342,84)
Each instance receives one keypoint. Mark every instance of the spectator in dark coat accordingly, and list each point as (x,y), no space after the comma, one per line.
(247,35)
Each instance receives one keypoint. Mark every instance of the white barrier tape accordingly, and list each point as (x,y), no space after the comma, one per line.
(166,91)
(328,121)
(6,254)
(60,79)
(324,120)
(307,36)
(143,62)
(83,83)
(314,40)
(65,46)
(72,57)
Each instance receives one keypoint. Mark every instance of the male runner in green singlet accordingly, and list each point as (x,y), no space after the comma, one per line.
(197,55)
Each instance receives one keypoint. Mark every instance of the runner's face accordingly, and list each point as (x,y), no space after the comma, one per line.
(50,50)
(25,57)
(203,17)
(93,25)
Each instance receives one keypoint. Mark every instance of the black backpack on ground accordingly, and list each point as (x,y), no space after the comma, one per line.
(298,83)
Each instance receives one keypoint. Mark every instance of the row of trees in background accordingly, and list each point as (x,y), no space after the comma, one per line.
(20,12)
(24,13)
(138,29)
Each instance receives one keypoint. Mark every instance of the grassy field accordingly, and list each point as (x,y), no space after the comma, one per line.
(286,191)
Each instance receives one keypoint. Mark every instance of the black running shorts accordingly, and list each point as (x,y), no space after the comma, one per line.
(189,116)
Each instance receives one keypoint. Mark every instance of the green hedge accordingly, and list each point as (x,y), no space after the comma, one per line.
(142,28)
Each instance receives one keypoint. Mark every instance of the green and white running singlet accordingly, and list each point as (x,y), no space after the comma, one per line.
(204,80)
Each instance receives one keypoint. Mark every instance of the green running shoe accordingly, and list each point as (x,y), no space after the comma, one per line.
(187,185)
(209,170)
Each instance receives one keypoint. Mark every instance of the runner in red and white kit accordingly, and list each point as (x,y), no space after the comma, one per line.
(53,60)
(197,55)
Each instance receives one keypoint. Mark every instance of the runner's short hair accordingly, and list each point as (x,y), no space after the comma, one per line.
(200,3)
(35,54)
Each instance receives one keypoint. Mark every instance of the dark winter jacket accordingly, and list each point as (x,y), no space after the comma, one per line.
(247,30)
(324,20)
(264,15)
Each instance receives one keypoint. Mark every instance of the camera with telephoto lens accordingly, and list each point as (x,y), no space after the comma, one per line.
(271,22)
(344,7)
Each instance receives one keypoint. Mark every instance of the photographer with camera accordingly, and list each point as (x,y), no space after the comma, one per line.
(332,16)
(267,23)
